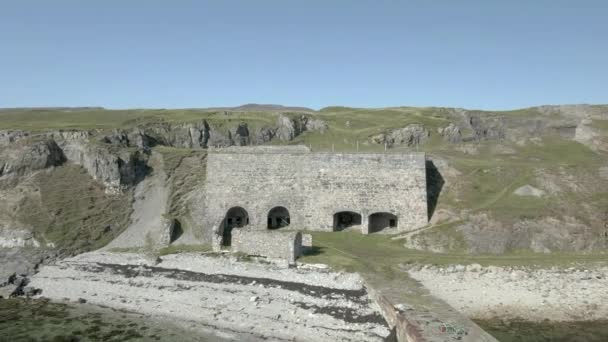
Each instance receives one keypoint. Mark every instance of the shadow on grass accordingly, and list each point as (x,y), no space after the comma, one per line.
(314,250)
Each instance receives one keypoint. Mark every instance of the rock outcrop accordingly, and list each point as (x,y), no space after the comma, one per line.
(452,133)
(589,136)
(410,135)
(20,157)
(117,168)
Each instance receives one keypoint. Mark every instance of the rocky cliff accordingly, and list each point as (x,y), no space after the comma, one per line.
(73,187)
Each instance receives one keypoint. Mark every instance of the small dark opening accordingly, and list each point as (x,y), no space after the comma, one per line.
(381,221)
(346,219)
(177,231)
(234,219)
(278,217)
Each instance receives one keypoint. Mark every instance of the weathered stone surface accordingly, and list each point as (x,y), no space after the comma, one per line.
(313,186)
(410,135)
(115,171)
(272,244)
(21,157)
(451,133)
(315,125)
(286,129)
(8,136)
(487,127)
(168,225)
(591,137)
(11,238)
(603,172)
(241,135)
(486,235)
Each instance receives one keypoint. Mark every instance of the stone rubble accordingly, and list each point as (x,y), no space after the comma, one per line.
(572,294)
(242,300)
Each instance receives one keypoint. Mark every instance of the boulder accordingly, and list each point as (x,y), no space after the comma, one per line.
(411,135)
(528,190)
(286,129)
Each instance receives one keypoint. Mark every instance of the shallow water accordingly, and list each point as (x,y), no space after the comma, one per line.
(40,320)
(523,331)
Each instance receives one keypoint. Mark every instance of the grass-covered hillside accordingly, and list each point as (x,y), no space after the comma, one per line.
(499,181)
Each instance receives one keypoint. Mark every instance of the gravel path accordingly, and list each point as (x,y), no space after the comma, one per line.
(239,300)
(506,293)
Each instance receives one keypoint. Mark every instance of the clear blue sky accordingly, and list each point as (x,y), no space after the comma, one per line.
(172,54)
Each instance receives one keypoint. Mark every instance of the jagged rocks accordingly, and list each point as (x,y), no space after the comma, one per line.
(118,138)
(264,135)
(411,135)
(138,138)
(286,129)
(311,124)
(21,158)
(487,127)
(451,133)
(11,238)
(590,137)
(115,170)
(9,137)
(241,136)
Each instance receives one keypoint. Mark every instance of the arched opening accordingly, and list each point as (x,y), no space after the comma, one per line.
(236,217)
(176,232)
(346,219)
(381,221)
(278,217)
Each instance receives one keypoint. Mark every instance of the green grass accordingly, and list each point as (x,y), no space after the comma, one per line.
(49,119)
(72,211)
(186,172)
(524,331)
(600,124)
(444,233)
(378,253)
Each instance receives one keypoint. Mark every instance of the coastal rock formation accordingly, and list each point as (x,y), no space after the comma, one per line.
(410,135)
(451,133)
(557,294)
(245,301)
(20,157)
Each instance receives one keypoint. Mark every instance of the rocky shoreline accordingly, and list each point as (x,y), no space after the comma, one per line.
(509,293)
(238,300)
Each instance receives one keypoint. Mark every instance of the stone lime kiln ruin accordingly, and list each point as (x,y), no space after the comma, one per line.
(274,189)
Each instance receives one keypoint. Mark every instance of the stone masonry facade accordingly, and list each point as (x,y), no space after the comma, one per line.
(314,187)
(285,246)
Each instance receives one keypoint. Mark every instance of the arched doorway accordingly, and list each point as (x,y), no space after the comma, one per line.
(236,217)
(278,217)
(346,219)
(381,221)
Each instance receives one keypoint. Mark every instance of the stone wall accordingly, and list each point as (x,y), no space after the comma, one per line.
(279,245)
(314,186)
